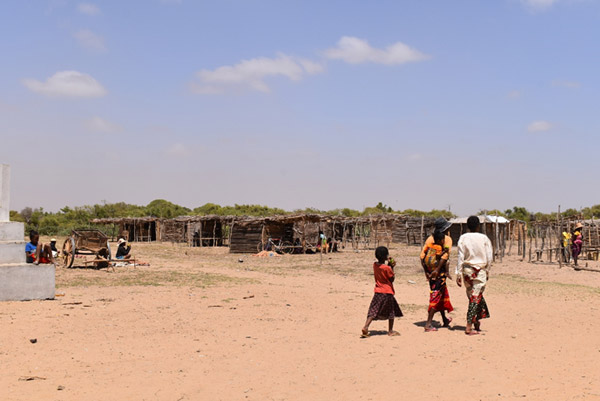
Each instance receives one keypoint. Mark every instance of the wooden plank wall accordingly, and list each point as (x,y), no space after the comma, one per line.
(245,237)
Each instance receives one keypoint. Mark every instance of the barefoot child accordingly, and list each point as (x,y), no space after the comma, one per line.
(383,305)
(37,253)
(436,270)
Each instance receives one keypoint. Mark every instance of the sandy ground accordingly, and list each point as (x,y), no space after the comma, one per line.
(200,325)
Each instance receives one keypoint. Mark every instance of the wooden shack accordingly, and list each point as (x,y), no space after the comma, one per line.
(135,229)
(174,230)
(245,235)
(411,230)
(209,230)
(249,234)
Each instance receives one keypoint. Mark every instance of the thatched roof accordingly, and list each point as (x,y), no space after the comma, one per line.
(282,219)
(118,220)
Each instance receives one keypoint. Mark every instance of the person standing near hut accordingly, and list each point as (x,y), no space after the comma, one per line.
(577,242)
(564,245)
(322,244)
(434,260)
(475,255)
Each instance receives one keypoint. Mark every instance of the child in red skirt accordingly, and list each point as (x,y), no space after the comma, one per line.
(383,305)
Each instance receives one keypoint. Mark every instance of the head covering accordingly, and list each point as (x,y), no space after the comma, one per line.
(441,224)
(578,225)
(53,240)
(121,241)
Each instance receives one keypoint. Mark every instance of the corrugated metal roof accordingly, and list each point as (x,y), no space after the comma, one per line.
(482,219)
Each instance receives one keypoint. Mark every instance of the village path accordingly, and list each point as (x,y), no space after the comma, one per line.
(200,325)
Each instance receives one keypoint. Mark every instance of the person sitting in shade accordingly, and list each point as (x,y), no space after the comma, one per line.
(123,250)
(37,253)
(53,248)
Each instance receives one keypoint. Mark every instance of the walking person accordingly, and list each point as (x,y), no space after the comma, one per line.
(577,242)
(434,260)
(474,260)
(383,305)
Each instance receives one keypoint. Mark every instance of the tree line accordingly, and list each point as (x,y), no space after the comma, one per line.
(69,218)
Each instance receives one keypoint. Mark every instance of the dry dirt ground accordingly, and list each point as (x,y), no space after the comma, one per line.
(198,324)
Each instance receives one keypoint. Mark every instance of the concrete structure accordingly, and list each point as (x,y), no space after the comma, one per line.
(4,192)
(19,281)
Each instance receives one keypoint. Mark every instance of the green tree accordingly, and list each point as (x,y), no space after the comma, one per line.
(16,216)
(518,213)
(165,209)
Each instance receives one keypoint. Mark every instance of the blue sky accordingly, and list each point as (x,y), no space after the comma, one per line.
(472,104)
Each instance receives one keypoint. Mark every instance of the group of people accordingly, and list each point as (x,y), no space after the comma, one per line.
(36,252)
(572,241)
(473,270)
(326,244)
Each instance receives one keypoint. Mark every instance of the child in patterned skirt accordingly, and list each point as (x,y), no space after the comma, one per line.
(383,305)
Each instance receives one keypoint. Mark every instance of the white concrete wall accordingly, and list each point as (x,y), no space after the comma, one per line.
(26,282)
(4,192)
(12,231)
(12,252)
(19,281)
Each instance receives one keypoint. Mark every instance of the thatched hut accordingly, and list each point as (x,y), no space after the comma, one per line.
(209,230)
(134,229)
(249,235)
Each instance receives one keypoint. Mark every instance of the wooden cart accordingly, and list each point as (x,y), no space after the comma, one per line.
(87,242)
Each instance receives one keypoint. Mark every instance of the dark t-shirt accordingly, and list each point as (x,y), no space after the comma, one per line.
(123,250)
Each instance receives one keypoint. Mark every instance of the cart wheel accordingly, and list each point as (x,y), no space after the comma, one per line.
(68,252)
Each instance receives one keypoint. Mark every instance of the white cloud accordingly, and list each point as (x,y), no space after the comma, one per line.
(177,150)
(252,74)
(89,40)
(539,126)
(354,51)
(88,9)
(539,4)
(99,124)
(68,84)
(567,84)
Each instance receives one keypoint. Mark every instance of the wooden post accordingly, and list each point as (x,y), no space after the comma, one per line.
(530,249)
(214,233)
(510,237)
(422,231)
(559,220)
(498,239)
(303,241)
(523,241)
(535,233)
(519,239)
(549,234)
